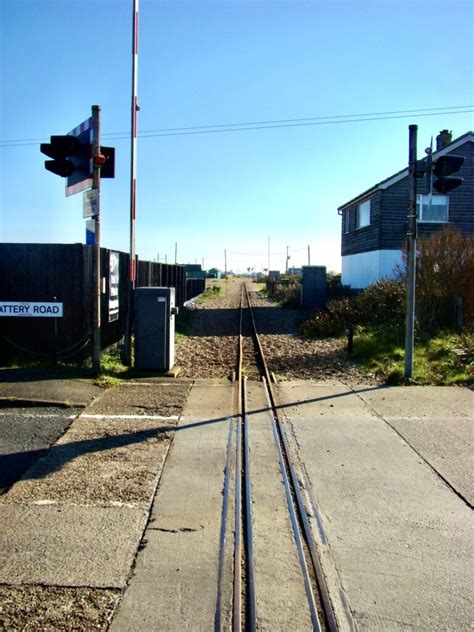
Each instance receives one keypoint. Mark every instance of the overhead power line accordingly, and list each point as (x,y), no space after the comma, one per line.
(259,127)
(291,120)
(271,124)
(265,254)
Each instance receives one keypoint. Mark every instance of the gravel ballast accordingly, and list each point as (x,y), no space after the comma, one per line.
(211,348)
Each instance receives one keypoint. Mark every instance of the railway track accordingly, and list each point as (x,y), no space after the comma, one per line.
(254,384)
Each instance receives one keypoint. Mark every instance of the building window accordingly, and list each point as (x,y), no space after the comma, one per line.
(346,220)
(363,214)
(432,208)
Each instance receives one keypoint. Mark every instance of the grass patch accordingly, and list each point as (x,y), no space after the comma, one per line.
(47,365)
(211,292)
(447,359)
(112,370)
(183,324)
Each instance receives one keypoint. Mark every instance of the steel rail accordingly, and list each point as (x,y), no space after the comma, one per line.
(251,602)
(237,596)
(294,524)
(223,532)
(237,592)
(243,505)
(331,622)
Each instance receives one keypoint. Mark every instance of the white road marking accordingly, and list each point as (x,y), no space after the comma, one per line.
(159,417)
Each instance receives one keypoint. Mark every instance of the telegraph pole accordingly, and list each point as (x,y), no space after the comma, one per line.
(225,261)
(176,253)
(411,255)
(309,255)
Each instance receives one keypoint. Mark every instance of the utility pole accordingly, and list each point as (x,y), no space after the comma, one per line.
(176,253)
(225,261)
(287,257)
(411,256)
(309,255)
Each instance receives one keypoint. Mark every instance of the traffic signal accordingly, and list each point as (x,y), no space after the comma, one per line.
(68,153)
(107,165)
(443,167)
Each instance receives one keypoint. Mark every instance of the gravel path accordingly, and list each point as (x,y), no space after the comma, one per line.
(211,348)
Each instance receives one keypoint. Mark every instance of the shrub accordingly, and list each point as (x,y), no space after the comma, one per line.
(286,291)
(383,303)
(445,269)
(338,314)
(289,295)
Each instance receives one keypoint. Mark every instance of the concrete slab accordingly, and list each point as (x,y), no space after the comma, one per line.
(68,545)
(438,422)
(174,585)
(159,398)
(281,599)
(401,539)
(23,385)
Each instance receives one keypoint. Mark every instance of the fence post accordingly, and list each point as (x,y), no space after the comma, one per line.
(458,313)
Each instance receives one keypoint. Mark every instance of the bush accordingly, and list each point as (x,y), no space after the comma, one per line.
(339,314)
(286,291)
(288,295)
(445,269)
(383,303)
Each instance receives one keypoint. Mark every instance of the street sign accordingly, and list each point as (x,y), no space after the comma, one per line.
(90,232)
(90,203)
(82,177)
(35,309)
(114,272)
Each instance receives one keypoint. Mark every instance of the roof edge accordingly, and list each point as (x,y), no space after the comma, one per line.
(388,182)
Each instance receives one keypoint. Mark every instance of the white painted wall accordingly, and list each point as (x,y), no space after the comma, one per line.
(360,270)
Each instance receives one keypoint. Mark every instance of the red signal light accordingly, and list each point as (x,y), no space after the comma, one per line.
(100,159)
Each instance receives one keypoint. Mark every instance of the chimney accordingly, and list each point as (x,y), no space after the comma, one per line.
(443,139)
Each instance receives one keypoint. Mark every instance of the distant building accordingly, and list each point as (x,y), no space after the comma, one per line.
(374,223)
(195,271)
(214,273)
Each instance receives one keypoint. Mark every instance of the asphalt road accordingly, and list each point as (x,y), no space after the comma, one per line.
(25,436)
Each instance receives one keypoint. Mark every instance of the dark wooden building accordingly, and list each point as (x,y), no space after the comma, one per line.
(374,224)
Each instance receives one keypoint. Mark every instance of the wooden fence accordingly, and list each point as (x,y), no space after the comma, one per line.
(49,273)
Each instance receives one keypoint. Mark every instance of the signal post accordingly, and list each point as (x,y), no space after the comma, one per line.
(79,157)
(438,176)
(96,292)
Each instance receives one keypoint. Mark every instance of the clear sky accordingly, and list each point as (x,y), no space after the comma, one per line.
(215,63)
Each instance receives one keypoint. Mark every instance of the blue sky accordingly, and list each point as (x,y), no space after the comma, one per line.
(212,63)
